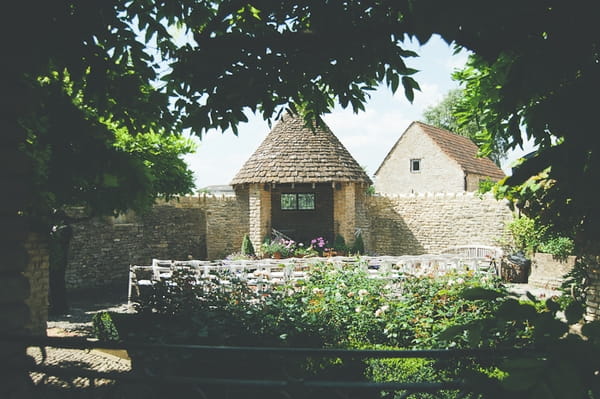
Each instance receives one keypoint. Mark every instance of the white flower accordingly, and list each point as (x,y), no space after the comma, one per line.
(363,292)
(350,294)
(381,310)
(460,281)
(358,309)
(450,282)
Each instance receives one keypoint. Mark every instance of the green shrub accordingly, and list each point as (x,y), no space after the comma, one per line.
(247,247)
(339,243)
(358,247)
(335,307)
(526,235)
(408,371)
(104,328)
(559,247)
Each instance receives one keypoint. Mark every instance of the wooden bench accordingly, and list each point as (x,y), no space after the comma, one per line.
(485,258)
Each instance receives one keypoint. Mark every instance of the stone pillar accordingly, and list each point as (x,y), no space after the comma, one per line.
(592,311)
(344,210)
(37,273)
(259,203)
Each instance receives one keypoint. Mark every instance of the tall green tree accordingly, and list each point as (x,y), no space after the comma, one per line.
(102,63)
(86,73)
(534,75)
(451,114)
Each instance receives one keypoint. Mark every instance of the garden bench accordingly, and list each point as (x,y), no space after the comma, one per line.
(482,258)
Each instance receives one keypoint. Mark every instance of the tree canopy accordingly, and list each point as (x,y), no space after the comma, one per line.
(538,76)
(450,114)
(93,126)
(102,63)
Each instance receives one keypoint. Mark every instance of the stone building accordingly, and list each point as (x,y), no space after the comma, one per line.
(301,182)
(429,159)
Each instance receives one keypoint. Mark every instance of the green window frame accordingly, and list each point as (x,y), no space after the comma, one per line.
(298,201)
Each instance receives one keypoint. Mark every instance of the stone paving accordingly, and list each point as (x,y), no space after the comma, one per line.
(78,323)
(86,360)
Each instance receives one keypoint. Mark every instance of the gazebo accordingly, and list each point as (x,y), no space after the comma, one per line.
(303,183)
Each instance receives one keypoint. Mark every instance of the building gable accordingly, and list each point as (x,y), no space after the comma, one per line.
(430,159)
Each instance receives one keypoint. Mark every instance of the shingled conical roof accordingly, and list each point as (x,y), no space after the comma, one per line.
(293,153)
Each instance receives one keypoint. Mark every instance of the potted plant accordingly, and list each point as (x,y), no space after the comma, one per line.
(304,252)
(278,248)
(319,244)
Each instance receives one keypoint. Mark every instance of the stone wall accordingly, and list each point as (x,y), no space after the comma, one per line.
(209,228)
(344,210)
(429,223)
(102,248)
(593,292)
(225,225)
(36,272)
(548,272)
(259,212)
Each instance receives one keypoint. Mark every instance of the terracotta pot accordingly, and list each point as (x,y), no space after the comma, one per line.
(276,255)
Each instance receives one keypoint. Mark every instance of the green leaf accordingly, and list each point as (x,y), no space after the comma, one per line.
(552,305)
(109,180)
(408,89)
(395,82)
(546,327)
(531,297)
(452,332)
(255,12)
(513,310)
(476,293)
(474,335)
(523,373)
(574,312)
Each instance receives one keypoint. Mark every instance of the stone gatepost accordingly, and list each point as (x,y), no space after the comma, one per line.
(259,203)
(344,210)
(593,293)
(37,273)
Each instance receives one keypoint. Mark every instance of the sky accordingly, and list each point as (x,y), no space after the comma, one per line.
(368,135)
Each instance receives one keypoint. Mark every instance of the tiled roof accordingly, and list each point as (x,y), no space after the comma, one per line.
(293,153)
(459,148)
